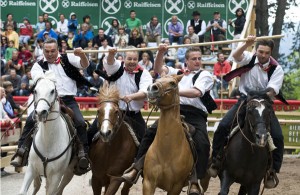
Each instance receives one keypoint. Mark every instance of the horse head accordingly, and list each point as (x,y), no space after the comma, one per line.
(109,114)
(45,96)
(164,91)
(258,109)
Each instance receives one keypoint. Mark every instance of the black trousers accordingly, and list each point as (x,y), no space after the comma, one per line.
(225,125)
(79,122)
(195,117)
(135,119)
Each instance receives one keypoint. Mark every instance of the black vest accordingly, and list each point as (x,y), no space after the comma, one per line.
(70,70)
(119,73)
(198,27)
(217,31)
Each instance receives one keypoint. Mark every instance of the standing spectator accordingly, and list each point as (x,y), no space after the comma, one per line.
(175,30)
(113,29)
(221,68)
(10,22)
(48,30)
(26,32)
(70,39)
(153,31)
(121,35)
(82,39)
(194,38)
(16,63)
(73,23)
(26,57)
(170,55)
(217,28)
(62,28)
(98,39)
(9,51)
(133,22)
(87,19)
(15,80)
(135,39)
(199,27)
(12,35)
(38,50)
(145,62)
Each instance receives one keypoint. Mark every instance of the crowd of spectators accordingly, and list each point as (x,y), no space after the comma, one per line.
(22,46)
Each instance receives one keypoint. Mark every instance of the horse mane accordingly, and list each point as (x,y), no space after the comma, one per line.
(109,92)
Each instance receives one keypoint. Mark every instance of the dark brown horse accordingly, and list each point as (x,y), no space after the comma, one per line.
(115,151)
(247,154)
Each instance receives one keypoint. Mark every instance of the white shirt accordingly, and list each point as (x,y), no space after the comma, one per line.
(63,27)
(203,83)
(203,27)
(126,85)
(257,78)
(224,25)
(64,84)
(103,49)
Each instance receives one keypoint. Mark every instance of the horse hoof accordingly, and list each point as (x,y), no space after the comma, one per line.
(194,190)
(83,163)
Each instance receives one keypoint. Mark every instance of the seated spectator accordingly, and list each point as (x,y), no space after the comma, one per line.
(38,50)
(153,31)
(121,35)
(82,39)
(97,82)
(221,68)
(92,57)
(9,51)
(16,64)
(26,32)
(192,35)
(150,53)
(98,38)
(70,39)
(27,79)
(170,56)
(64,47)
(10,21)
(26,57)
(39,27)
(113,29)
(72,23)
(82,91)
(4,45)
(87,19)
(135,39)
(6,105)
(15,80)
(145,62)
(121,45)
(175,29)
(8,87)
(11,35)
(62,28)
(48,29)
(104,47)
(181,52)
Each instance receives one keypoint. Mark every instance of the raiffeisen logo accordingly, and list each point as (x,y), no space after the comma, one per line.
(83,4)
(21,3)
(146,4)
(219,5)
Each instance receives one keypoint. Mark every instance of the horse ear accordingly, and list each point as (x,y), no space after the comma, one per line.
(177,77)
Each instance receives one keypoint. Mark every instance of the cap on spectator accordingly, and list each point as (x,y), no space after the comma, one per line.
(196,13)
(45,33)
(72,14)
(216,12)
(25,18)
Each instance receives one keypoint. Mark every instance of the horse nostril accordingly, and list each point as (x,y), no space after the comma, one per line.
(44,112)
(257,135)
(154,88)
(105,134)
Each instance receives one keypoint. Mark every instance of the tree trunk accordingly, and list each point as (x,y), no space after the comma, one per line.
(277,26)
(262,15)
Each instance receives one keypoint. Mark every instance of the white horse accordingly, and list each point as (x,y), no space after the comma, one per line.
(51,151)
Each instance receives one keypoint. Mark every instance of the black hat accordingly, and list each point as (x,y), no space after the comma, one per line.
(216,12)
(196,13)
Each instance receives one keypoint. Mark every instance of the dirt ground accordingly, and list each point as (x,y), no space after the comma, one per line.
(288,185)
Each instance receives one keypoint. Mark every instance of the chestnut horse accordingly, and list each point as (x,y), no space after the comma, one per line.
(115,151)
(169,160)
(247,154)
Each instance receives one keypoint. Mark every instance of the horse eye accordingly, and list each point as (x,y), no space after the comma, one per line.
(52,92)
(34,91)
(173,84)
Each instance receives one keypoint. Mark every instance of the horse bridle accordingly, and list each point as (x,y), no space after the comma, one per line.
(120,120)
(48,103)
(162,93)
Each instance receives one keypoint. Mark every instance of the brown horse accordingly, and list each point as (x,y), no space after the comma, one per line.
(169,160)
(115,151)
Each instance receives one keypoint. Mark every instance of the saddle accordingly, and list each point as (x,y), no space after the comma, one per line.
(66,110)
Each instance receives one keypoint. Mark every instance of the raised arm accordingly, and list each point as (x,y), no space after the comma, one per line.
(238,53)
(83,59)
(159,60)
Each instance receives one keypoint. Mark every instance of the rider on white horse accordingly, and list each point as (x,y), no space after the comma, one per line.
(67,76)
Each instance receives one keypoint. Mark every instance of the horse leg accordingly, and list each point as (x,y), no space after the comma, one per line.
(226,182)
(36,184)
(205,182)
(148,187)
(53,182)
(29,175)
(126,188)
(254,189)
(114,184)
(96,185)
(176,189)
(67,177)
(242,190)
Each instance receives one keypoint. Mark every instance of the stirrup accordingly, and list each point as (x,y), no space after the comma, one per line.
(193,191)
(271,180)
(129,179)
(17,161)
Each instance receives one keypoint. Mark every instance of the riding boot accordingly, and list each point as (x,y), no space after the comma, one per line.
(194,187)
(83,165)
(20,158)
(131,175)
(215,165)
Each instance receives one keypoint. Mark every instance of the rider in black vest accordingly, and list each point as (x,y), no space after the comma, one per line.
(67,84)
(264,73)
